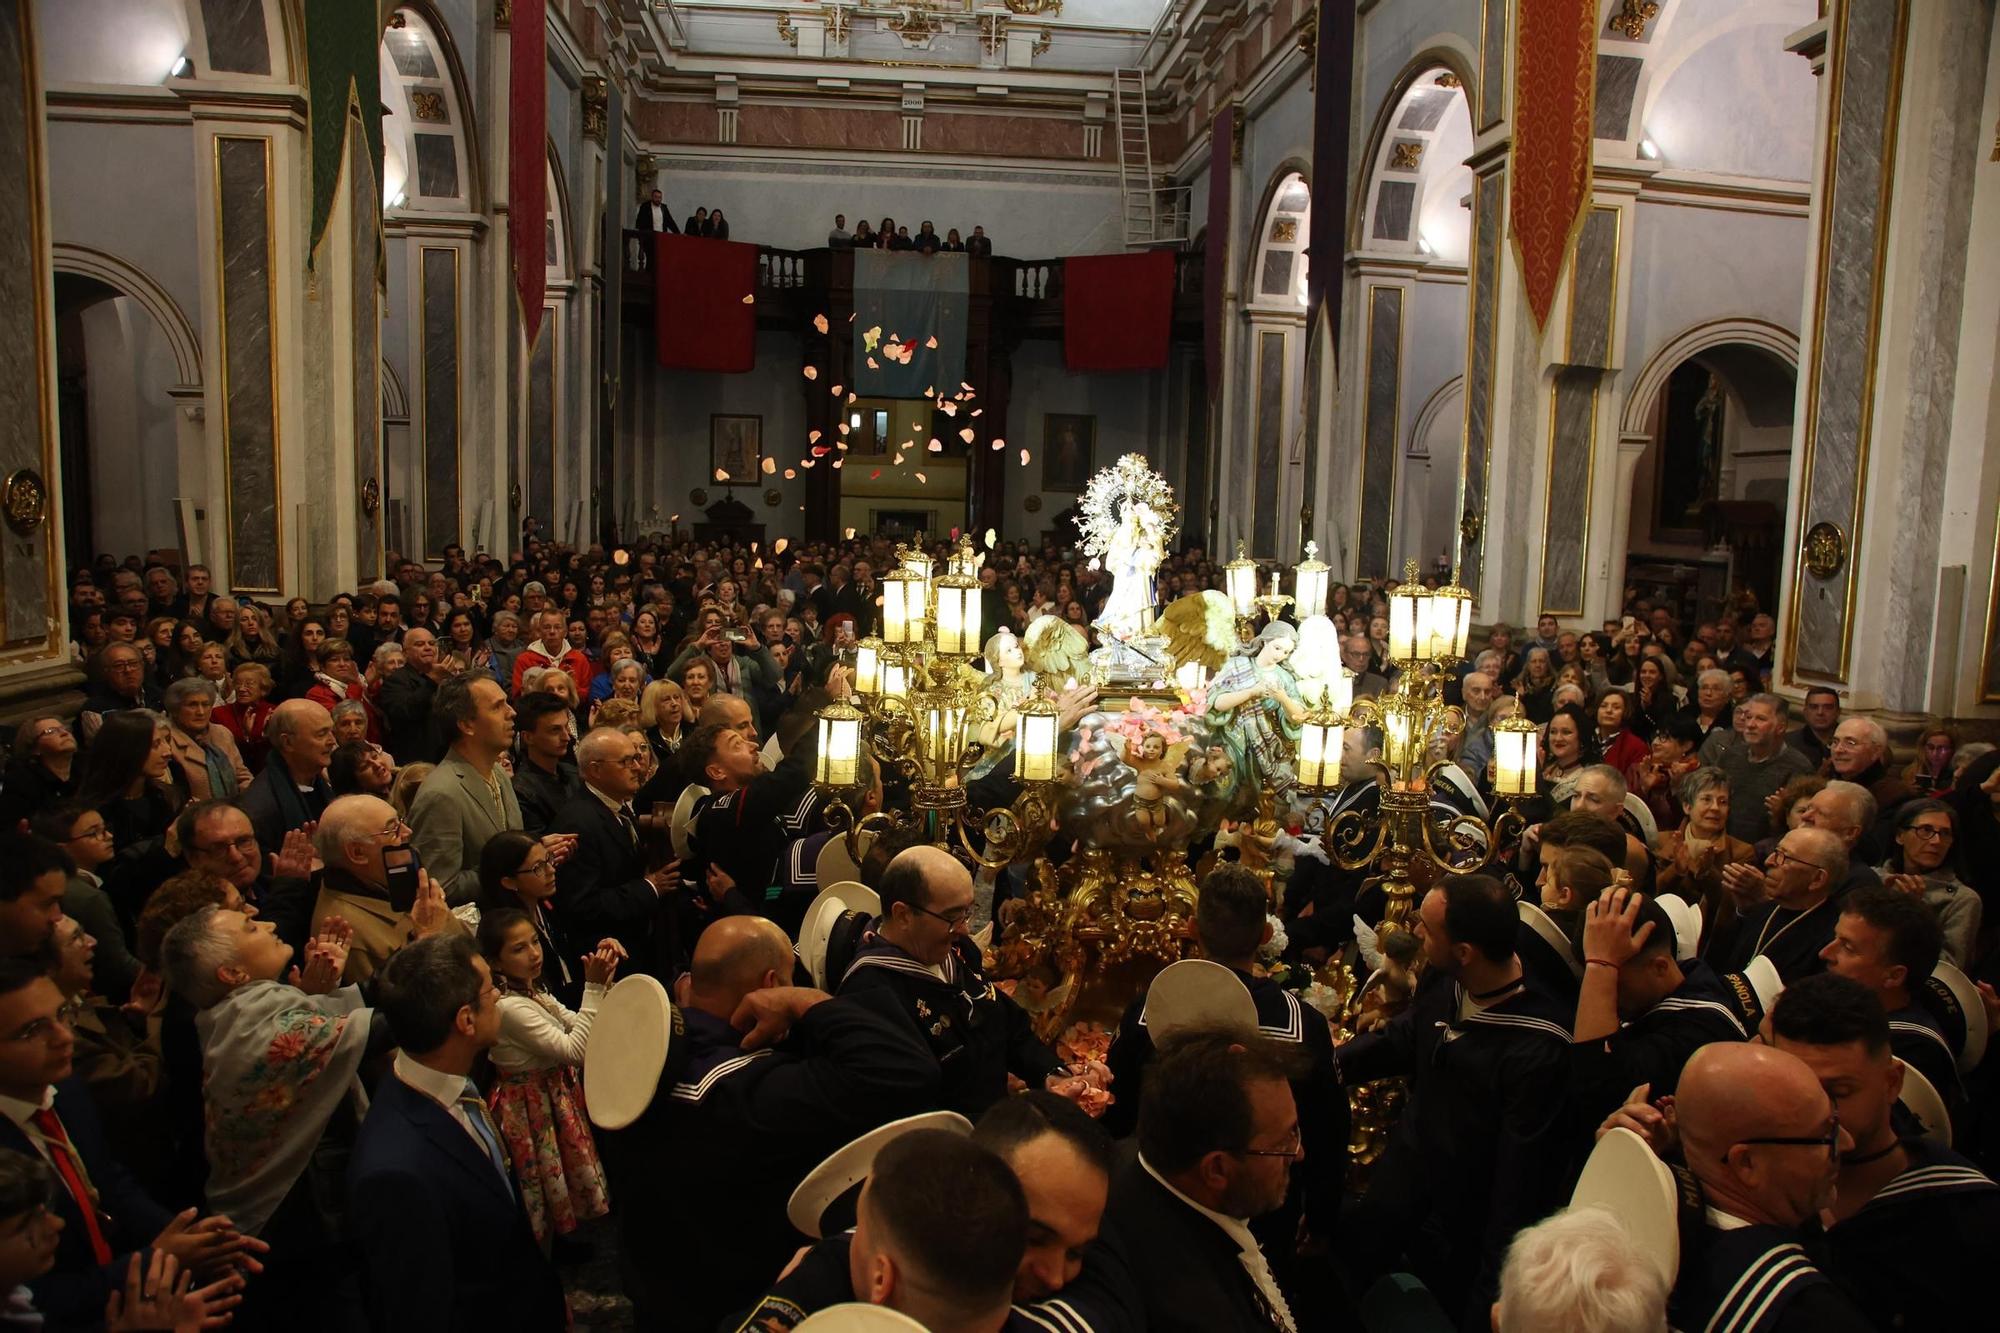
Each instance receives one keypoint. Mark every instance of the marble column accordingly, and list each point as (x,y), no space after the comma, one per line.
(1383,309)
(439,360)
(364,323)
(1489,221)
(33,640)
(246,302)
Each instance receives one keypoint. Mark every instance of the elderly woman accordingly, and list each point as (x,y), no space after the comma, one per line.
(505,644)
(339,681)
(210,764)
(1920,865)
(248,709)
(1692,856)
(663,713)
(42,769)
(1712,703)
(350,721)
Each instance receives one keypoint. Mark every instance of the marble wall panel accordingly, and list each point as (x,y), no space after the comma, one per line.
(1617,82)
(250,400)
(1566,524)
(437,166)
(1488,221)
(1380,417)
(1593,281)
(441,397)
(238,42)
(26,378)
(1270,441)
(1394,202)
(365,212)
(1492,62)
(1425,109)
(1866,60)
(1194,496)
(541,459)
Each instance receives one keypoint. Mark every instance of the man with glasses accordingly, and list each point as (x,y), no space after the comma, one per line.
(1476,1155)
(118,682)
(217,839)
(1912,1220)
(1764,1141)
(919,951)
(604,888)
(1791,927)
(350,839)
(1218,1139)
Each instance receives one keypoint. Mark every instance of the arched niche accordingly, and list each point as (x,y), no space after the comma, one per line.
(430,161)
(1274,313)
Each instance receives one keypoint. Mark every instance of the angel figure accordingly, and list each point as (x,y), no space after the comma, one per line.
(1391,962)
(1256,706)
(1156,765)
(1008,685)
(1056,649)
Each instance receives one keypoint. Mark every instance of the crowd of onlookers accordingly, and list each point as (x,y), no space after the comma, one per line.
(306,915)
(887,235)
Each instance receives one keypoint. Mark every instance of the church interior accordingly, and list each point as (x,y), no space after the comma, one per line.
(969,494)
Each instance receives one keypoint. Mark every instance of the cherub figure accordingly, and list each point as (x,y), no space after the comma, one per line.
(1152,758)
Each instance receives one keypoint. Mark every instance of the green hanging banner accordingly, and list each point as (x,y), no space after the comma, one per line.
(343,42)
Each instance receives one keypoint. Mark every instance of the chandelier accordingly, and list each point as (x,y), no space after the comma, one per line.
(920,702)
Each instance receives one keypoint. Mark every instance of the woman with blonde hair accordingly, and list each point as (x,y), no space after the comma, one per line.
(663,713)
(403,791)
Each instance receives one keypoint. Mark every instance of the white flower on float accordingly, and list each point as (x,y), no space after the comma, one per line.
(1316,657)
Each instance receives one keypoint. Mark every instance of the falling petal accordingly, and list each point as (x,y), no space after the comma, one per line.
(851,395)
(842,428)
(876,473)
(898,461)
(998,445)
(812,372)
(977,411)
(812,438)
(931,392)
(967,387)
(966,434)
(805,462)
(931,342)
(837,388)
(991,538)
(675,519)
(838,461)
(954,534)
(754,546)
(778,546)
(1024,458)
(873,364)
(819,323)
(850,535)
(790,475)
(922,478)
(750,299)
(936,446)
(949,409)
(721,474)
(770,466)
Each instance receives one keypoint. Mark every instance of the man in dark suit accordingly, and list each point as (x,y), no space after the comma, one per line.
(654,215)
(544,775)
(47,1114)
(406,700)
(858,598)
(1218,1135)
(604,887)
(435,1208)
(292,790)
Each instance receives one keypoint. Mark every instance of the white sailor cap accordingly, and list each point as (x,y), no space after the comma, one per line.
(1686,917)
(1950,997)
(823,914)
(1922,1099)
(682,825)
(1624,1175)
(628,1051)
(1195,994)
(857,1317)
(824,1201)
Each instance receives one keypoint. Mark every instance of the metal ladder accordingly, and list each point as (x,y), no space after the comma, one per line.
(1135,158)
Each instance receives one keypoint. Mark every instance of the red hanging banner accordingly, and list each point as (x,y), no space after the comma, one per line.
(528,158)
(701,317)
(1118,311)
(1555,82)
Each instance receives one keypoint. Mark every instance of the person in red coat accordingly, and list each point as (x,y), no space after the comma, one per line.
(1616,741)
(552,649)
(244,717)
(339,680)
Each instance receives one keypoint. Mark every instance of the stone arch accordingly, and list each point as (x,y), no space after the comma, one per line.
(149,295)
(1269,211)
(395,400)
(1780,342)
(1447,54)
(429,136)
(563,251)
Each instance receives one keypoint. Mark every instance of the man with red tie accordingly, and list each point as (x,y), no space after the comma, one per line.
(106,1215)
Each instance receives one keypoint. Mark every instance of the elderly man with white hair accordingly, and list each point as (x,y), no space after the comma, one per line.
(1859,753)
(1580,1272)
(352,836)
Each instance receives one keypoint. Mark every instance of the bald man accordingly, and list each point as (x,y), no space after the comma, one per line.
(292,789)
(918,952)
(1796,922)
(775,1078)
(1762,1138)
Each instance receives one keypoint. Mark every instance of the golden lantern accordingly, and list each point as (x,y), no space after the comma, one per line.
(1322,736)
(1409,623)
(1239,577)
(957,618)
(868,667)
(895,680)
(1451,622)
(1514,757)
(904,604)
(838,761)
(941,735)
(1309,584)
(1035,737)
(1190,676)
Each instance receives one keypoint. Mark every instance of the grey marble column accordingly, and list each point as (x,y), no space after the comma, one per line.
(540,499)
(1489,223)
(1268,458)
(365,221)
(1864,63)
(1573,414)
(249,385)
(1380,427)
(439,350)
(27,377)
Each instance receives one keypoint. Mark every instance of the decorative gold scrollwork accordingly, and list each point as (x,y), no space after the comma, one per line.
(1825,550)
(26,498)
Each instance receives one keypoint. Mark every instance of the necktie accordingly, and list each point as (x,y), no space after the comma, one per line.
(482,1129)
(629,824)
(70,1168)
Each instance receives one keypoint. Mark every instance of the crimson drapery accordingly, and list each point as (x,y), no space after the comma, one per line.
(1118,310)
(528,158)
(1555,83)
(700,319)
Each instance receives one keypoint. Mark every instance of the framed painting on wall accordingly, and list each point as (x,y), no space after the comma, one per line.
(735,449)
(1068,442)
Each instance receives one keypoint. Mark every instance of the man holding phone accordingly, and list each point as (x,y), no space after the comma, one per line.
(374,881)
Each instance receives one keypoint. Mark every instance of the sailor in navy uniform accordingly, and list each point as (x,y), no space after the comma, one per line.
(919,953)
(1762,1140)
(1230,926)
(1641,1012)
(739,831)
(1913,1220)
(1485,1053)
(708,1167)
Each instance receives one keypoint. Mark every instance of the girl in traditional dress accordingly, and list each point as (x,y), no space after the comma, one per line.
(538,1100)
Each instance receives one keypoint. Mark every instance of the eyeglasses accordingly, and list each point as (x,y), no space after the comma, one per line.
(539,868)
(1785,858)
(1290,1148)
(396,828)
(952,919)
(1829,1140)
(1928,832)
(101,833)
(47,732)
(243,846)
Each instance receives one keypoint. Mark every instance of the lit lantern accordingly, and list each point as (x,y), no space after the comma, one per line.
(1514,757)
(868,666)
(958,616)
(1190,676)
(941,715)
(1309,584)
(1322,736)
(1451,621)
(1399,738)
(1035,741)
(1317,657)
(1340,690)
(1407,613)
(895,680)
(838,761)
(903,596)
(1239,576)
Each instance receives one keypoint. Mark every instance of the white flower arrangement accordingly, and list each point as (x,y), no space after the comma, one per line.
(1323,998)
(1274,948)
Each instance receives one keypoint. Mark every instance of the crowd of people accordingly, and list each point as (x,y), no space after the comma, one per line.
(654,215)
(887,235)
(307,915)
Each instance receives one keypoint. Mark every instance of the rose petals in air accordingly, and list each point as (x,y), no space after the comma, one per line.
(966,434)
(872,338)
(812,372)
(750,299)
(873,364)
(819,323)
(1024,458)
(936,446)
(876,473)
(931,342)
(948,408)
(791,474)
(977,411)
(675,519)
(998,445)
(837,388)
(770,466)
(850,535)
(778,546)
(897,460)
(812,437)
(721,475)
(991,538)
(838,461)
(922,478)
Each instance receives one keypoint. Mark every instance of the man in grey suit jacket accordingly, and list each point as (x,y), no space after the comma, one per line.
(468,798)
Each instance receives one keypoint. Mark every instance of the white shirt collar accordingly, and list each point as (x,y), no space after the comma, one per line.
(1722,1221)
(444,1089)
(21,1112)
(1236,1228)
(1249,1253)
(616,806)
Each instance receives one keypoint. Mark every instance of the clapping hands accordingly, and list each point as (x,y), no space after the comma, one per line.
(326,957)
(162,1295)
(601,964)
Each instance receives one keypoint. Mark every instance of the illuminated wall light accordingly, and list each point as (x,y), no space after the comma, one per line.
(183,68)
(1649,149)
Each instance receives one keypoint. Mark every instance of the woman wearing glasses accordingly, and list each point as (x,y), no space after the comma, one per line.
(42,769)
(1922,866)
(517,873)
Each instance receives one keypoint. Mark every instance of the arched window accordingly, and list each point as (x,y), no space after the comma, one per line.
(425,160)
(1281,246)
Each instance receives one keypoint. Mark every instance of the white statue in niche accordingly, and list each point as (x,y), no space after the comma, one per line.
(1128,517)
